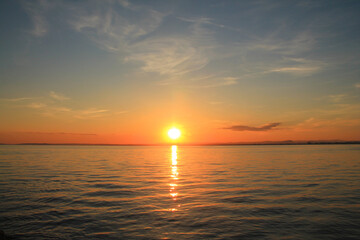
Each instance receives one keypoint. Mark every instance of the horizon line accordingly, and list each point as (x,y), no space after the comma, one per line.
(285,142)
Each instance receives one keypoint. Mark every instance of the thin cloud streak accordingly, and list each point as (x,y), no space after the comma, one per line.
(296,70)
(16,99)
(50,108)
(37,105)
(57,133)
(321,123)
(299,66)
(212,81)
(266,127)
(58,96)
(337,98)
(90,113)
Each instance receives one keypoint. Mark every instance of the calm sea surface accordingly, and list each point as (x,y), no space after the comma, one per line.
(232,192)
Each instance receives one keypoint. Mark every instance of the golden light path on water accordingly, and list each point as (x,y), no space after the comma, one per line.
(174,176)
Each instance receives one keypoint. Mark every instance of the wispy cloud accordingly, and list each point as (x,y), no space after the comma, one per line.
(298,66)
(111,30)
(16,99)
(59,111)
(229,80)
(296,70)
(285,55)
(90,113)
(93,111)
(213,81)
(50,108)
(172,56)
(56,111)
(301,42)
(37,10)
(59,133)
(140,35)
(124,3)
(337,98)
(169,56)
(36,105)
(58,96)
(266,127)
(320,123)
(62,109)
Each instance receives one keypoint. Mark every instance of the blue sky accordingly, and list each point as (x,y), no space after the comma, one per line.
(235,63)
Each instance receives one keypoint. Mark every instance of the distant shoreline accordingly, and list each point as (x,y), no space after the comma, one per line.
(320,142)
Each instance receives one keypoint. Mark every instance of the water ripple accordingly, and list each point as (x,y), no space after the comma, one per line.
(247,192)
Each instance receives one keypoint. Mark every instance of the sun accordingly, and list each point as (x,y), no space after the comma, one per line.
(174,133)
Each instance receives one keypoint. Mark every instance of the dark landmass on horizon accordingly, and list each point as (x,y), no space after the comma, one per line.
(287,142)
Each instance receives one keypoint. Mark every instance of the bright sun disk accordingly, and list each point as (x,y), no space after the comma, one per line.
(174,133)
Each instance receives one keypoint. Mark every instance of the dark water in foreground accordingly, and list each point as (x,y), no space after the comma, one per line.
(240,192)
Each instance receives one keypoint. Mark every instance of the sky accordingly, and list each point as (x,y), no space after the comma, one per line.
(124,72)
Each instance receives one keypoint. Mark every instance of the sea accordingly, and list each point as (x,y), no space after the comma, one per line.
(180,192)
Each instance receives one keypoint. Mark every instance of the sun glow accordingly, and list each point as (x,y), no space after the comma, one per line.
(174,133)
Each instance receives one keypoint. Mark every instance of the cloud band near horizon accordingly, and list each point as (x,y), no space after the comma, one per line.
(266,127)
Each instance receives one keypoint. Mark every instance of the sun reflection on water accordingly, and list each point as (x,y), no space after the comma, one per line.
(174,176)
(174,155)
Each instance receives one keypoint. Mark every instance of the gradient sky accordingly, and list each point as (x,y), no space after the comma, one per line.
(222,71)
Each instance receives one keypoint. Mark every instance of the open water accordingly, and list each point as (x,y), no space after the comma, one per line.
(169,192)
